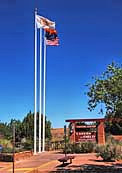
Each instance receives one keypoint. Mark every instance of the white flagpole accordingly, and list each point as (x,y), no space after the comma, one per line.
(44,94)
(35,86)
(40,102)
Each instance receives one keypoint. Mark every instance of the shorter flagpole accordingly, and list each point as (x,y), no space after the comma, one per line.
(40,99)
(44,95)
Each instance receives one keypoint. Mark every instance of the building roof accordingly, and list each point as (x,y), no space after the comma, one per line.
(86,120)
(93,119)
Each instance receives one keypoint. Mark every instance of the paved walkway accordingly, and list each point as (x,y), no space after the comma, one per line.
(35,162)
(47,162)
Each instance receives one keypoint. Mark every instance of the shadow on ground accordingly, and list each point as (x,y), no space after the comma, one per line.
(62,165)
(111,161)
(89,168)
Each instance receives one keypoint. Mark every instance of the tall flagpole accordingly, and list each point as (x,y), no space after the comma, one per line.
(40,99)
(44,94)
(35,86)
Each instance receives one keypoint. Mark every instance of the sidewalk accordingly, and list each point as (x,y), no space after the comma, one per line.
(48,162)
(83,163)
(34,162)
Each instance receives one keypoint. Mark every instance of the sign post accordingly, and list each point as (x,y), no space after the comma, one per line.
(13,145)
(65,138)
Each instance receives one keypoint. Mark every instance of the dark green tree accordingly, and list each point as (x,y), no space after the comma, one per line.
(18,129)
(24,128)
(48,130)
(4,130)
(107,90)
(28,126)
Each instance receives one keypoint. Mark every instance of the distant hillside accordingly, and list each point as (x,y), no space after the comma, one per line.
(58,134)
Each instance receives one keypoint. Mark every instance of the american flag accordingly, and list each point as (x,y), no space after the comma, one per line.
(53,42)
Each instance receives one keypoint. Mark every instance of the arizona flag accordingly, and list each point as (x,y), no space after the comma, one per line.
(51,37)
(44,23)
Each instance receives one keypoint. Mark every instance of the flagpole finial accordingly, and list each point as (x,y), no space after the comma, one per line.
(35,10)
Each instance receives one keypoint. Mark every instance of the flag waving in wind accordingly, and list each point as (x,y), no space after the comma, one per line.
(51,37)
(54,42)
(43,22)
(50,32)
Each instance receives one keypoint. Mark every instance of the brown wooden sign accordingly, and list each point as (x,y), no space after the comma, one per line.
(85,136)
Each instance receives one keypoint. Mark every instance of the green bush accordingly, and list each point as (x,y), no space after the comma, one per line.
(6,157)
(109,152)
(7,150)
(28,145)
(87,147)
(5,143)
(84,147)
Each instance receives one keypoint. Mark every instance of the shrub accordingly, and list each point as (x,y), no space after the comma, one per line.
(84,147)
(7,150)
(28,145)
(109,152)
(69,148)
(87,147)
(5,143)
(6,157)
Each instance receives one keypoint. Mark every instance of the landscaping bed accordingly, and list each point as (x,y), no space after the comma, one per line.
(8,157)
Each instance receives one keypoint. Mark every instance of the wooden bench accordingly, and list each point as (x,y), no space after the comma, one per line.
(66,158)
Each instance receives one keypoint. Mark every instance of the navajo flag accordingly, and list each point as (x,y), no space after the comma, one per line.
(51,37)
(43,22)
(50,34)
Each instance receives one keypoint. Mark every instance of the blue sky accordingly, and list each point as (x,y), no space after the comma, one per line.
(90,39)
